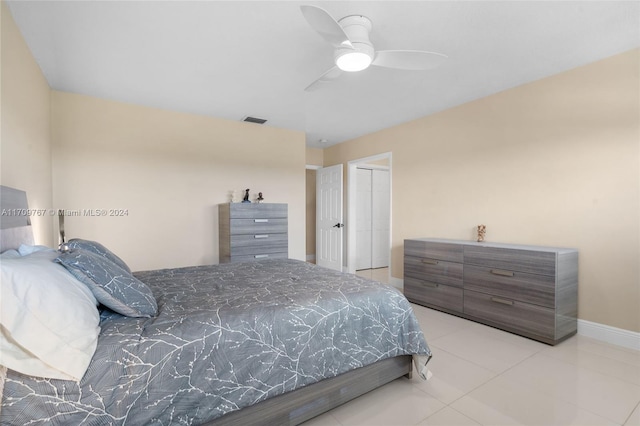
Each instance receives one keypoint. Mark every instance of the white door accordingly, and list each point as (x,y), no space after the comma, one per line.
(363,219)
(372,219)
(380,218)
(329,226)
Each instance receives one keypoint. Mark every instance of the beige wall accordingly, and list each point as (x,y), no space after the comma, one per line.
(311,213)
(170,171)
(314,159)
(554,162)
(314,156)
(25,145)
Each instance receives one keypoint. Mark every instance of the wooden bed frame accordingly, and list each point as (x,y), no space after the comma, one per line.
(291,408)
(302,404)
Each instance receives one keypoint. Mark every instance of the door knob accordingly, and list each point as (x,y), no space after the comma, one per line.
(338,225)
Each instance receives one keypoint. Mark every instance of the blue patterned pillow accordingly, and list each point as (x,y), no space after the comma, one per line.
(111,285)
(97,248)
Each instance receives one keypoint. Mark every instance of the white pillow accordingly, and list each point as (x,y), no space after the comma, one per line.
(49,321)
(26,249)
(9,254)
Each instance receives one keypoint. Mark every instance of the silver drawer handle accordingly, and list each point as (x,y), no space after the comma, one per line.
(260,256)
(430,285)
(261,236)
(430,261)
(501,272)
(260,220)
(502,301)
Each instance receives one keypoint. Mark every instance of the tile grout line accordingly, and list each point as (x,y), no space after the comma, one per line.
(432,414)
(637,407)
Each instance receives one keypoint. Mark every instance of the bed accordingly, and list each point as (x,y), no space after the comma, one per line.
(268,342)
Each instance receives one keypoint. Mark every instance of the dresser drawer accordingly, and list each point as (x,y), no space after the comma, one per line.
(259,243)
(530,261)
(434,294)
(509,314)
(253,210)
(257,256)
(530,288)
(438,271)
(434,250)
(251,231)
(258,226)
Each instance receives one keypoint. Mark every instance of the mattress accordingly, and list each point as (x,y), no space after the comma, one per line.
(225,337)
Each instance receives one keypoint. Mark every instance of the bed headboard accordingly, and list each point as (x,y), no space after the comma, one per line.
(15,222)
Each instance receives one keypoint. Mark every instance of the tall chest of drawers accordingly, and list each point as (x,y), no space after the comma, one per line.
(528,290)
(252,231)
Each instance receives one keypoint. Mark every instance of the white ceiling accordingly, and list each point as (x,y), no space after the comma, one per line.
(231,59)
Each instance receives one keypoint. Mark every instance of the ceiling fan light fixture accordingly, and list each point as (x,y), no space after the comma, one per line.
(356,59)
(353,61)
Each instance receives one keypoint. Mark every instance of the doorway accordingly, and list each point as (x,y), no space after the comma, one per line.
(372,216)
(374,244)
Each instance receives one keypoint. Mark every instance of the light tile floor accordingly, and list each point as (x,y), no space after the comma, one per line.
(377,274)
(484,376)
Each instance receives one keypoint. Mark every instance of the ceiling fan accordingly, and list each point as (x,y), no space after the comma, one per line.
(353,50)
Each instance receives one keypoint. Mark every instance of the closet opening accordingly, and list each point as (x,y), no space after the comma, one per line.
(369,217)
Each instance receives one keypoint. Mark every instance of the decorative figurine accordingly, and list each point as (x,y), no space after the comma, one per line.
(481,231)
(246,197)
(259,199)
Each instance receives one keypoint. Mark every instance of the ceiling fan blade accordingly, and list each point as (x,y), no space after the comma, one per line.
(415,60)
(326,26)
(332,74)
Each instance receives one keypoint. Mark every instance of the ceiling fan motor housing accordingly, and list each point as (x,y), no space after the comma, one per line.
(357,27)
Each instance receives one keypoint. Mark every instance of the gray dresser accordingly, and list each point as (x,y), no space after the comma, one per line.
(251,231)
(528,290)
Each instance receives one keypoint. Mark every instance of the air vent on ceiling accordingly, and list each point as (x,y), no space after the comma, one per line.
(250,119)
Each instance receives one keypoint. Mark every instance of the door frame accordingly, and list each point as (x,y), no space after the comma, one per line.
(352,165)
(311,258)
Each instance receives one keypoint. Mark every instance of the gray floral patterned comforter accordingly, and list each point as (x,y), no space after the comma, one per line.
(226,336)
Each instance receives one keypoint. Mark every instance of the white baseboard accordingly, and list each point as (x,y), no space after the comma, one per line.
(616,336)
(397,283)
